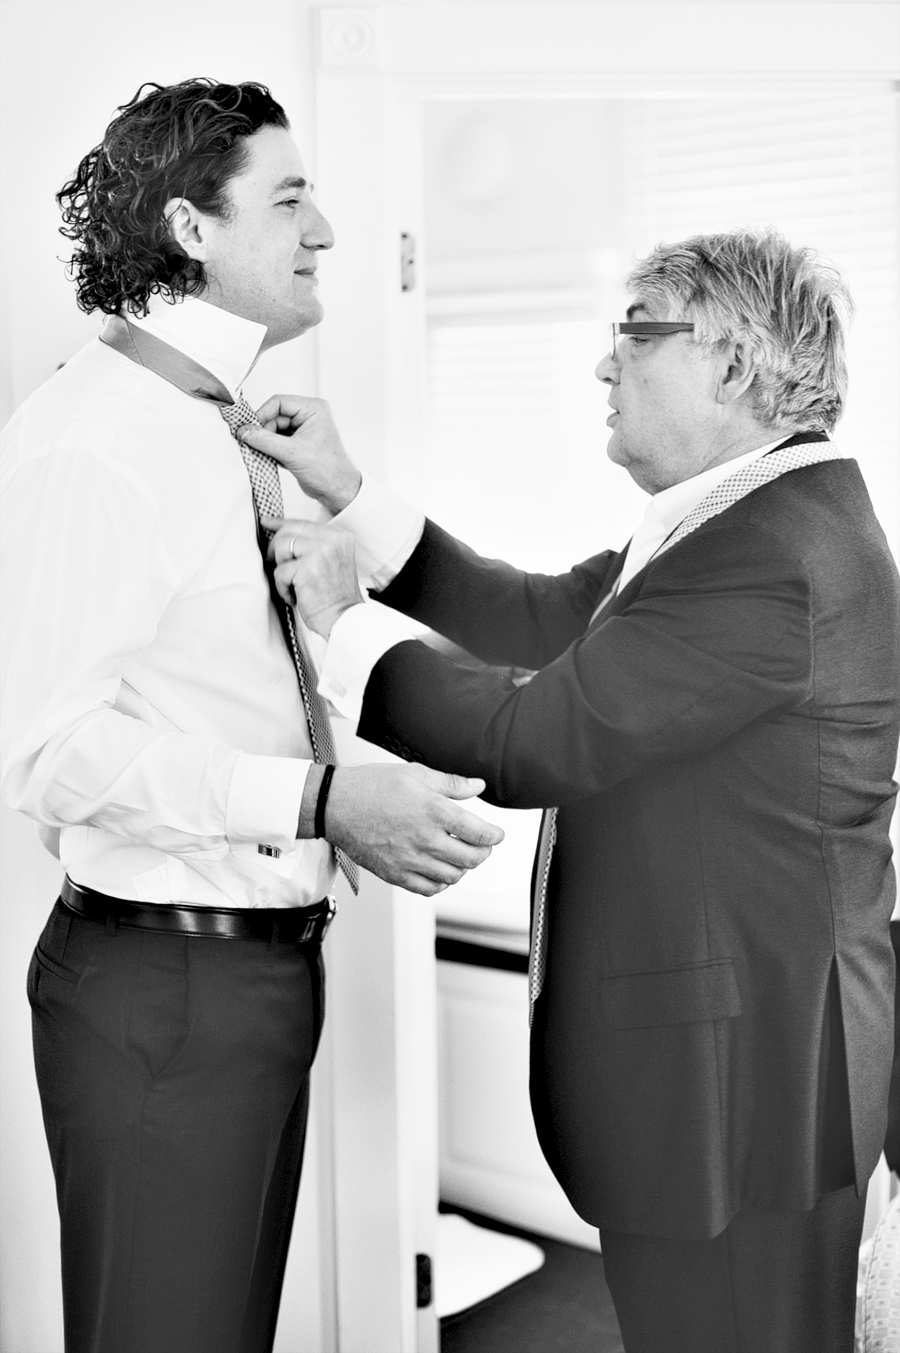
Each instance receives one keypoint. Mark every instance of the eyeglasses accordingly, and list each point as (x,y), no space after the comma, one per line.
(648,328)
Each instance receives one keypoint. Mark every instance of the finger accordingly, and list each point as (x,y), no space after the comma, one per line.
(463,855)
(275,407)
(281,545)
(283,407)
(272,524)
(452,786)
(270,443)
(417,883)
(293,538)
(473,830)
(284,576)
(432,861)
(461,786)
(444,872)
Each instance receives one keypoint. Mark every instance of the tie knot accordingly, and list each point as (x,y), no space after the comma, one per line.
(238,415)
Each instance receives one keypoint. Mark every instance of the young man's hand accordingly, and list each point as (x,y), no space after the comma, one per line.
(403,823)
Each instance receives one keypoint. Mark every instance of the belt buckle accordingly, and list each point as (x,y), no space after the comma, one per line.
(330,913)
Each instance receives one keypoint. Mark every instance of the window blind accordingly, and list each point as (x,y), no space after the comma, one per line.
(824,171)
(516,421)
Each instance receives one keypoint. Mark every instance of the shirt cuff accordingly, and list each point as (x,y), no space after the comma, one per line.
(359,638)
(386,530)
(263,809)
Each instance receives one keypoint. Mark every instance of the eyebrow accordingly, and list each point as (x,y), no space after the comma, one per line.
(294,182)
(633,310)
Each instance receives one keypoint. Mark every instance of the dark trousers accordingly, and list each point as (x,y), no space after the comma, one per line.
(772,1282)
(174,1079)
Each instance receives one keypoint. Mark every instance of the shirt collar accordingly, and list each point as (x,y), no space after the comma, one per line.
(672,505)
(223,343)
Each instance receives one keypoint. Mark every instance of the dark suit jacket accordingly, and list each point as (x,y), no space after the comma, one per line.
(721,742)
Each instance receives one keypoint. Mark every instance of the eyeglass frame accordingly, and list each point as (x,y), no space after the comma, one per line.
(650,328)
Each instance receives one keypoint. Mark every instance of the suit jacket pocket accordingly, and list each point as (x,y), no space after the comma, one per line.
(701,992)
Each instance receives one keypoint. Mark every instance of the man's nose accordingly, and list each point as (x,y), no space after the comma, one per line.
(607,370)
(317,233)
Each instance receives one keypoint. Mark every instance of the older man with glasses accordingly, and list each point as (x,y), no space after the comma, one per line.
(712,727)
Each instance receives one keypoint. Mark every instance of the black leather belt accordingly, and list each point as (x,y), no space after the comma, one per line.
(281,925)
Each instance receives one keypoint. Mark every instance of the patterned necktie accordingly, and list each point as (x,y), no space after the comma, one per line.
(264,482)
(537,953)
(723,496)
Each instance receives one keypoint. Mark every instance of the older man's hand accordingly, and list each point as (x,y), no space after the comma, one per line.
(300,434)
(401,823)
(315,570)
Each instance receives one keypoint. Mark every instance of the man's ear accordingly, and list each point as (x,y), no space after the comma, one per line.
(736,373)
(187,227)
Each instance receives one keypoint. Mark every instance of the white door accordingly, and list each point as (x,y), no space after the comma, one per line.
(377,67)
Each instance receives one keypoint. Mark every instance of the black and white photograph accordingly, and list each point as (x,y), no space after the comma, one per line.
(449,676)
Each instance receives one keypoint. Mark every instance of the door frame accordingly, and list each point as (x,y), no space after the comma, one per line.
(376,67)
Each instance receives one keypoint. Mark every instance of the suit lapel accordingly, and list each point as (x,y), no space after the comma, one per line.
(804,448)
(609,584)
(792,455)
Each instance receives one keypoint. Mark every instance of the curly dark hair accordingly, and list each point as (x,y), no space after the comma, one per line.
(184,140)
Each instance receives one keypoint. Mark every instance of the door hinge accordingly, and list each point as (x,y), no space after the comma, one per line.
(407,261)
(424,1294)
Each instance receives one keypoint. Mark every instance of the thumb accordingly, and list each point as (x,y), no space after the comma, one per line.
(458,786)
(270,443)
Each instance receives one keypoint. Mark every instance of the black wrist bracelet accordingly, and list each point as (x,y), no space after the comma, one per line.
(321,802)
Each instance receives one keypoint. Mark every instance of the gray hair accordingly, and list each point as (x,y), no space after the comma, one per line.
(787,305)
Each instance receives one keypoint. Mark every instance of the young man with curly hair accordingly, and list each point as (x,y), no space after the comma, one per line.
(162,728)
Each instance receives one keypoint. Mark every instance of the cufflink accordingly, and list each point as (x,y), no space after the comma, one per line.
(273,852)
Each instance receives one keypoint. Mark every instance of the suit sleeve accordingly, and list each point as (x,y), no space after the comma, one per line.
(498,613)
(717,637)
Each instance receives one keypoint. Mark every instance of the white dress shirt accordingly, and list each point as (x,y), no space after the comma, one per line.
(151,711)
(667,509)
(387,530)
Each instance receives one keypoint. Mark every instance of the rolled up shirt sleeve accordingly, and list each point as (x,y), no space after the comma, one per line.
(386,530)
(359,639)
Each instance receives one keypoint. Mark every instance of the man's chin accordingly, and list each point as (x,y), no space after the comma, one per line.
(311,313)
(615,449)
(295,327)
